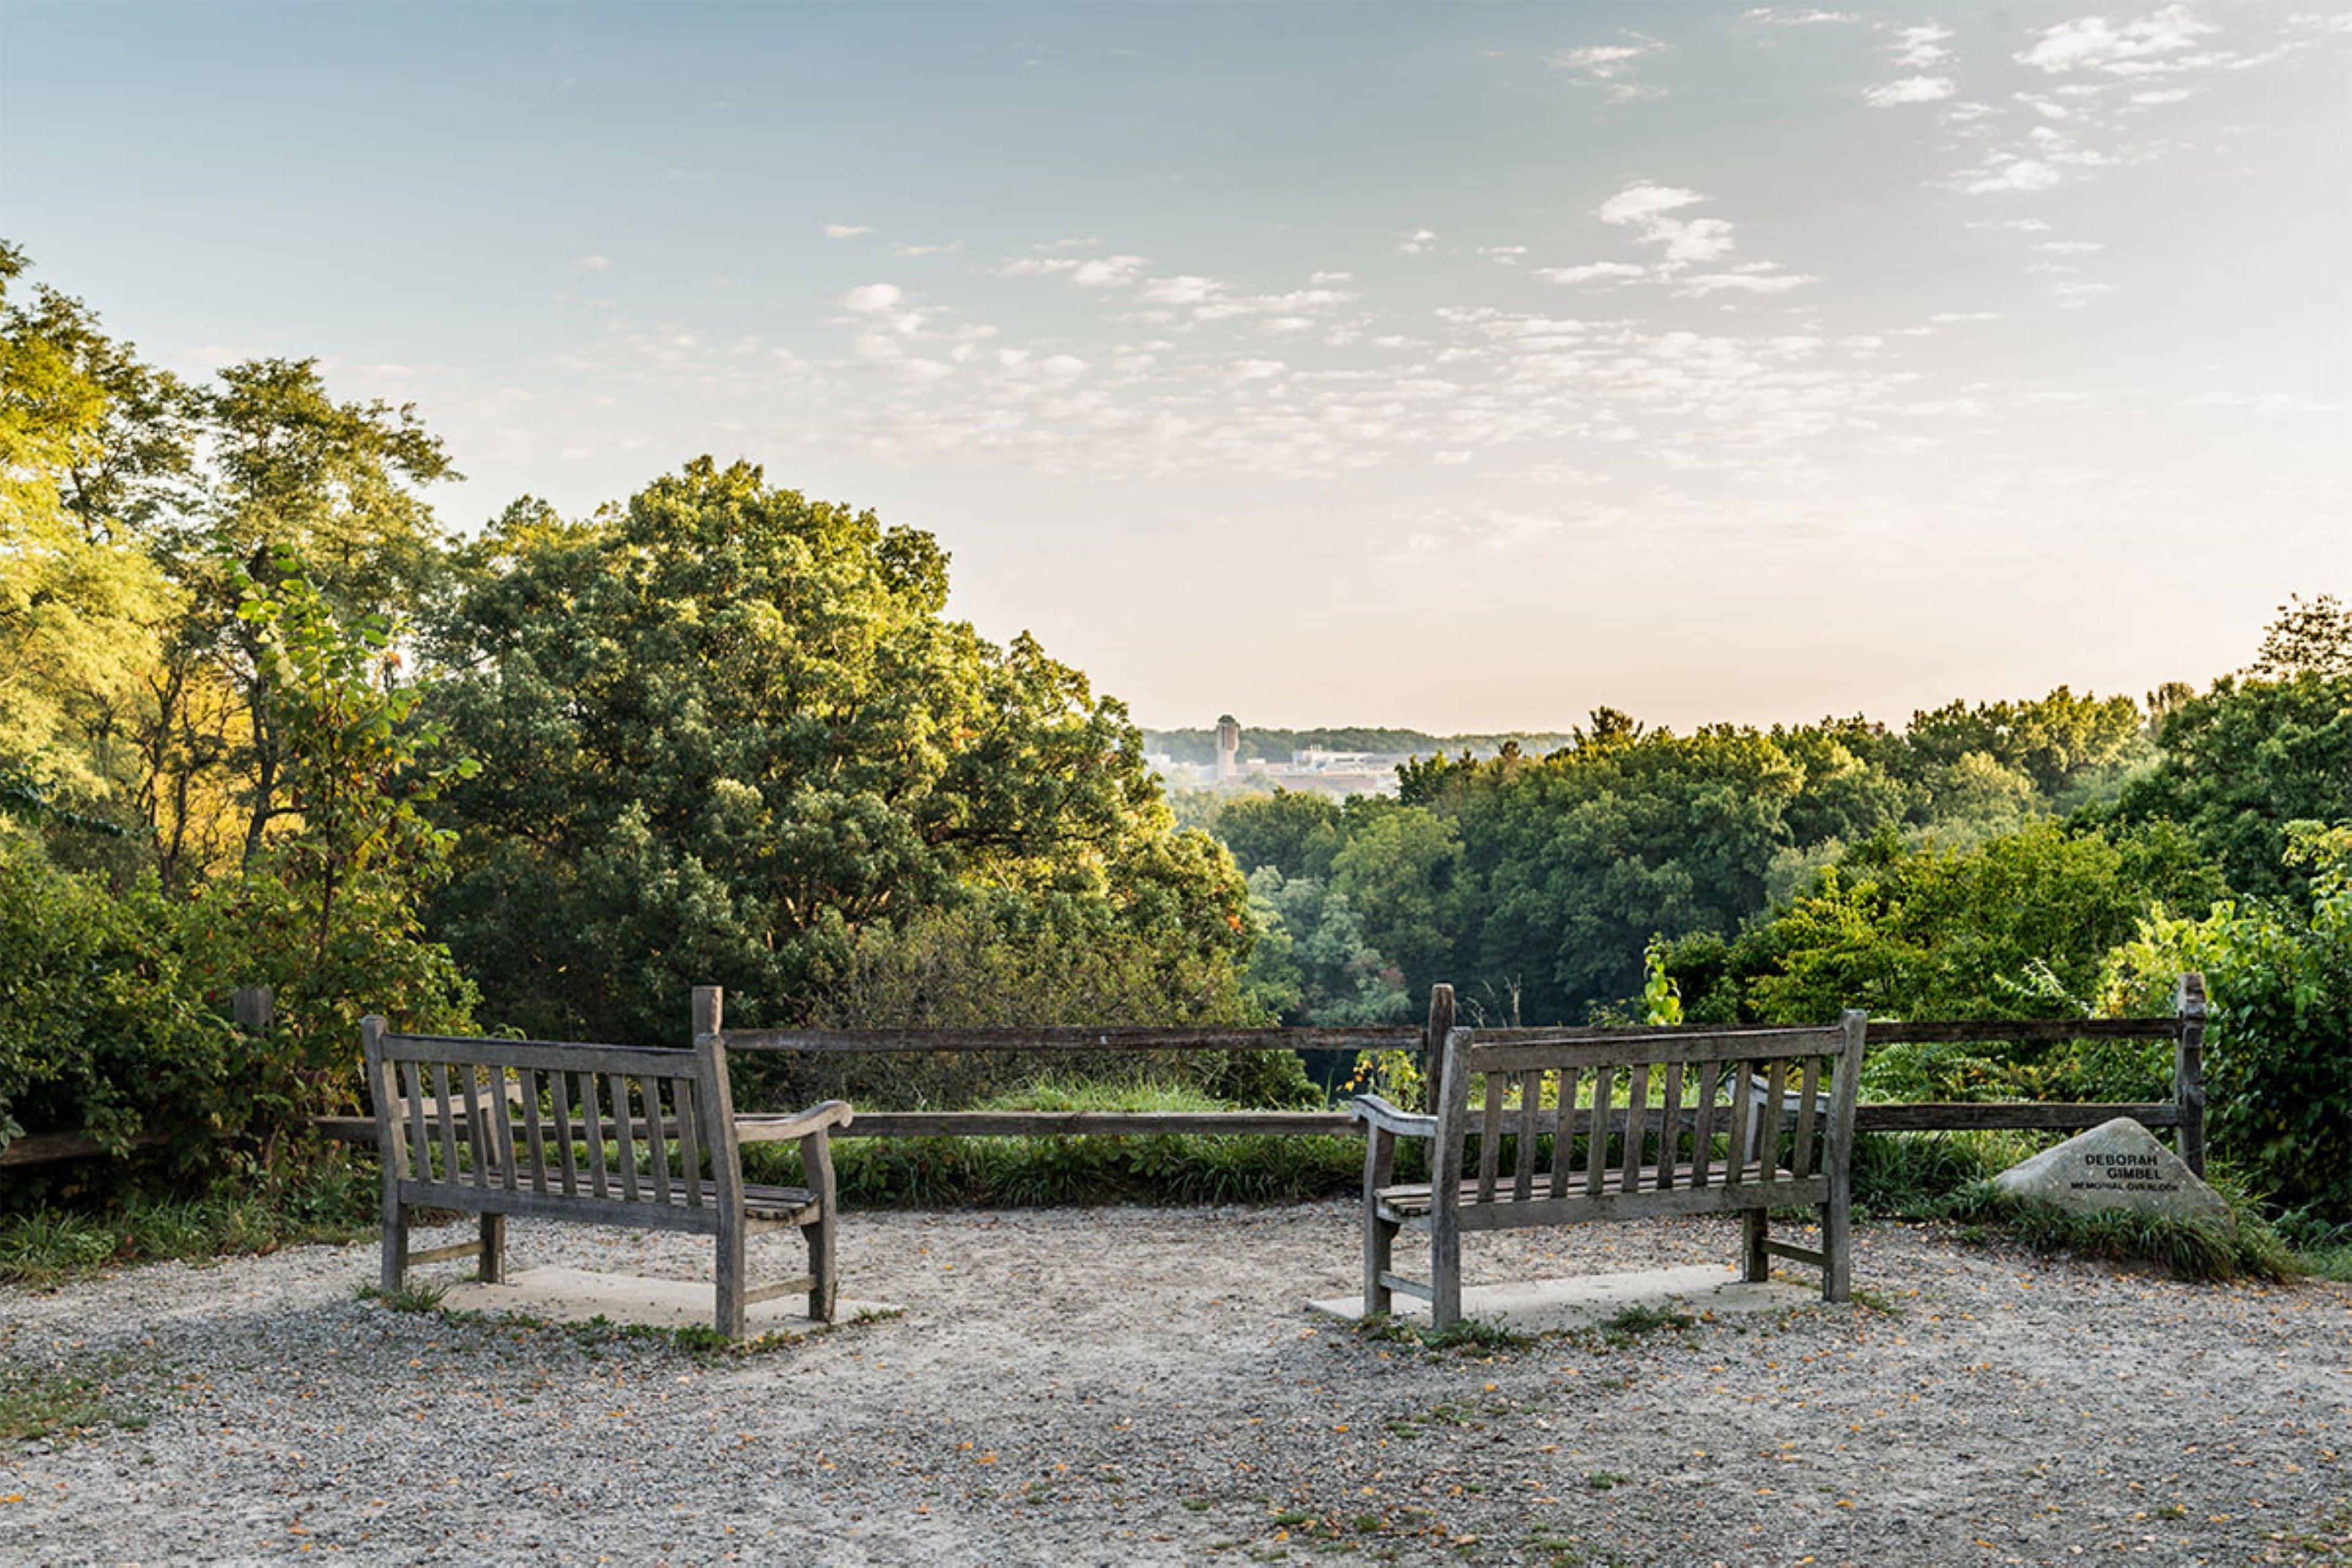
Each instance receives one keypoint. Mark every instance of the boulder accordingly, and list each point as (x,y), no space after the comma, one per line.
(2117,1164)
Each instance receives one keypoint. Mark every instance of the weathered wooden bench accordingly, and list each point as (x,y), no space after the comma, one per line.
(529,1127)
(1780,1101)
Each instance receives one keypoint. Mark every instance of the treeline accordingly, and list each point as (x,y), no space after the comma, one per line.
(1261,744)
(264,719)
(2064,856)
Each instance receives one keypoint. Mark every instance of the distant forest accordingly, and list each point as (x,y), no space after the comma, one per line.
(1258,744)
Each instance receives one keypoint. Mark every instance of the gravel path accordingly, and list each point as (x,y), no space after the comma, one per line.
(1127,1386)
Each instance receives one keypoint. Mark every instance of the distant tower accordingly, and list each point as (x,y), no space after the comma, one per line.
(1229,749)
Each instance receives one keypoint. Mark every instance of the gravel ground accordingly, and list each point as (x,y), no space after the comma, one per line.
(1131,1386)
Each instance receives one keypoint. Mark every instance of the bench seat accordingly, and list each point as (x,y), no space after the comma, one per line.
(1411,1202)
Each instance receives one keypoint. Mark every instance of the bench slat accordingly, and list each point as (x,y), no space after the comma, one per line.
(1637,1107)
(1564,1119)
(1703,1125)
(1490,1136)
(1750,1045)
(1767,1137)
(1808,1088)
(547,1055)
(657,1136)
(534,1134)
(690,1142)
(1523,1168)
(616,1088)
(447,1127)
(1641,1205)
(1596,1143)
(1736,1074)
(592,1115)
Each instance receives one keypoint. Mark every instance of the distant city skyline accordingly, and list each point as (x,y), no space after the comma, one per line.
(1458,367)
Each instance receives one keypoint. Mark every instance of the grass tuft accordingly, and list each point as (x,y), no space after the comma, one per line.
(2189,1249)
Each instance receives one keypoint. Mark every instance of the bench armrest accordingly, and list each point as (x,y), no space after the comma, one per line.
(1379,1113)
(776,1129)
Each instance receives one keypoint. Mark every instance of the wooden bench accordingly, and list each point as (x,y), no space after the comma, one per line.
(527,1127)
(1783,1099)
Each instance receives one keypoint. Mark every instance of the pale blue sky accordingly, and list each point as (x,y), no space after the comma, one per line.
(1457,366)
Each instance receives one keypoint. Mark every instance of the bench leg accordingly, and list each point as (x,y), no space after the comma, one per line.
(1837,1246)
(492,1269)
(394,1273)
(1756,1263)
(817,1169)
(1380,1235)
(728,1269)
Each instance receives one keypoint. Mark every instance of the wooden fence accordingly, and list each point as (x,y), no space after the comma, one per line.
(2184,1113)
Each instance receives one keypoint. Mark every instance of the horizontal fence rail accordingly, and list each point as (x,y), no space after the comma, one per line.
(2184,1115)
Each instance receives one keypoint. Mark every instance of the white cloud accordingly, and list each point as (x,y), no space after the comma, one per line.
(1909,90)
(1502,255)
(1332,277)
(1592,272)
(1611,65)
(1419,242)
(846,230)
(2070,247)
(1639,204)
(1918,47)
(1787,16)
(871,299)
(1093,272)
(594,264)
(1743,283)
(2128,48)
(1186,289)
(949,248)
(2007,173)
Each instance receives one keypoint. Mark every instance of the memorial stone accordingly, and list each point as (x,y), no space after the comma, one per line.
(2117,1164)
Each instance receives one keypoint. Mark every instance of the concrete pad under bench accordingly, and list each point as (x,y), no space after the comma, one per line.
(1590,1301)
(577,1295)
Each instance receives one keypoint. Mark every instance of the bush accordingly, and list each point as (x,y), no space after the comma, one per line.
(104,1027)
(2278,1071)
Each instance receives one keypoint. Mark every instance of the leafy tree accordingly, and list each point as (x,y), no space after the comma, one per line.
(1319,969)
(2244,760)
(2313,639)
(79,616)
(2279,979)
(732,731)
(1294,832)
(1400,871)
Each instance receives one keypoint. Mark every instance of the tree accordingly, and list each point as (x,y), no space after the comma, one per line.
(732,731)
(79,616)
(2313,639)
(2242,762)
(1295,832)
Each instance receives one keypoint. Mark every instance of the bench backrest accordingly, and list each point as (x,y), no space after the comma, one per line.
(535,1122)
(1677,1088)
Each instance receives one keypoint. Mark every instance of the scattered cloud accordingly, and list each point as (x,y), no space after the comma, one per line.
(1593,272)
(593,264)
(1420,242)
(2007,173)
(1909,90)
(1093,272)
(846,230)
(1918,47)
(1645,207)
(2128,48)
(1790,17)
(949,248)
(1613,67)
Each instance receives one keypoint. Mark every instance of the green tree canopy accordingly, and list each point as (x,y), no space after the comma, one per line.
(729,727)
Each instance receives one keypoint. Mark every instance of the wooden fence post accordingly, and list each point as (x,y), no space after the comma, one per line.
(1433,1045)
(2189,1071)
(255,1007)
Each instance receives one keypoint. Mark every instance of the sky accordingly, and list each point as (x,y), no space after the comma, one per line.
(1451,365)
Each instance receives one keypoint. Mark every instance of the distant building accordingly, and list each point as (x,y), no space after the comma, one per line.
(1229,747)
